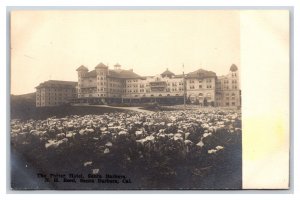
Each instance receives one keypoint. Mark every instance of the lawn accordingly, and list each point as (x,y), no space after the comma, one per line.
(31,112)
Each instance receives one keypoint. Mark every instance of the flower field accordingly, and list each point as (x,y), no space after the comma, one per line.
(180,149)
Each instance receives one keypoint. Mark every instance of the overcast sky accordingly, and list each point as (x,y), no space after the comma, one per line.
(52,44)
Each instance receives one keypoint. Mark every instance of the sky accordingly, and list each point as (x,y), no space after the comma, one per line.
(51,45)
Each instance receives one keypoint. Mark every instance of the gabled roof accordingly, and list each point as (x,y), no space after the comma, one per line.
(123,74)
(201,73)
(90,74)
(101,65)
(178,76)
(55,83)
(82,68)
(233,68)
(167,73)
(117,65)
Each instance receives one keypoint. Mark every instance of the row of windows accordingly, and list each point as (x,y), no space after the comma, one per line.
(52,98)
(50,102)
(228,94)
(152,95)
(132,81)
(200,86)
(227,81)
(148,91)
(101,78)
(54,94)
(227,98)
(228,88)
(56,90)
(200,81)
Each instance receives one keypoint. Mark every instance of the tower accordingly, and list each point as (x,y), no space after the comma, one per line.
(102,72)
(117,67)
(234,76)
(235,94)
(82,71)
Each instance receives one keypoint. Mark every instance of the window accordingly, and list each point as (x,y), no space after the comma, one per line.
(200,86)
(233,103)
(208,96)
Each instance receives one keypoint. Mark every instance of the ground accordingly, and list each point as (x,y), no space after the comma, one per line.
(182,148)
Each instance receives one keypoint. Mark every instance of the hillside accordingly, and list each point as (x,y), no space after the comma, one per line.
(23,107)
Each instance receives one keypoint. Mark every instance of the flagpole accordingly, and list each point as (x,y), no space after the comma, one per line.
(184,88)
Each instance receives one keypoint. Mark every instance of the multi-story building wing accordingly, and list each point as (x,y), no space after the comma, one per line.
(228,91)
(201,87)
(104,85)
(54,93)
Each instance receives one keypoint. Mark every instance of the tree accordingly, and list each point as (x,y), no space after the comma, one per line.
(188,101)
(205,102)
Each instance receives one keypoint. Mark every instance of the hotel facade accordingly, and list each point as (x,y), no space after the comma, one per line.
(201,87)
(103,85)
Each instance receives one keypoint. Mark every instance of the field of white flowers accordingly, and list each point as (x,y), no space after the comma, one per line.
(180,149)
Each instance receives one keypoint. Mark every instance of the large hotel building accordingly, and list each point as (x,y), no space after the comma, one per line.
(103,85)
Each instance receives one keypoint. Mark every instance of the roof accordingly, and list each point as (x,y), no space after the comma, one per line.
(201,73)
(55,83)
(82,68)
(123,74)
(101,65)
(90,74)
(178,76)
(117,65)
(233,68)
(167,73)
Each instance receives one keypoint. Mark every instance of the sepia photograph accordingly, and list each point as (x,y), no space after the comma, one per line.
(126,100)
